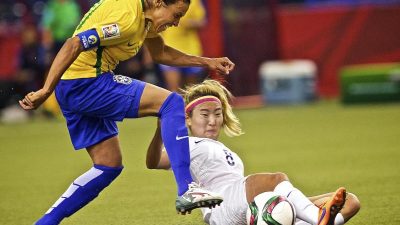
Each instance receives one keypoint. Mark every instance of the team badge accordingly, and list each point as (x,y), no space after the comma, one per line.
(110,31)
(92,39)
(122,79)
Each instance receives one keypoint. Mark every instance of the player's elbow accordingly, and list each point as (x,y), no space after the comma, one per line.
(151,164)
(158,58)
(158,165)
(73,45)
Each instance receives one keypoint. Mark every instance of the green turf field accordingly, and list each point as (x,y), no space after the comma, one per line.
(319,146)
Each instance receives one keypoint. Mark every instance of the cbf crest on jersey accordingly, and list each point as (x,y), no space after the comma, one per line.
(122,79)
(110,31)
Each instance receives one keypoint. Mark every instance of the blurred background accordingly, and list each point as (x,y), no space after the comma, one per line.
(286,52)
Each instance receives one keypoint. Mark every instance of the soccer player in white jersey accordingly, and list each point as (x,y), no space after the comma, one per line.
(221,170)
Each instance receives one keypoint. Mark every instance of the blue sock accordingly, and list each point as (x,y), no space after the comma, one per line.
(83,190)
(175,137)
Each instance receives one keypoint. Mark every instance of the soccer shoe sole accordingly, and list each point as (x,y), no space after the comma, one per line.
(211,203)
(332,207)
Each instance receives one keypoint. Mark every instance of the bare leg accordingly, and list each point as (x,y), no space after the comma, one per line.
(152,99)
(106,153)
(262,182)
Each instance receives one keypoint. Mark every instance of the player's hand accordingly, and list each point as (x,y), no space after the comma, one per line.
(222,65)
(34,99)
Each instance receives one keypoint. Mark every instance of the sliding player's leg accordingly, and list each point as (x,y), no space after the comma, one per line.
(305,209)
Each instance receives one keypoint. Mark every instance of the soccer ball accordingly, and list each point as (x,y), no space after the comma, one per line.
(269,208)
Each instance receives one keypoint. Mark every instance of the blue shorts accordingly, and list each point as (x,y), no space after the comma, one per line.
(92,106)
(185,71)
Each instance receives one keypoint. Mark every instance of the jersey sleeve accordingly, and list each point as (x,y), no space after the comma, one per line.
(116,29)
(109,25)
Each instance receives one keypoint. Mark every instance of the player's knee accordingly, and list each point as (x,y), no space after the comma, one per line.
(111,161)
(353,203)
(177,100)
(275,178)
(280,177)
(174,103)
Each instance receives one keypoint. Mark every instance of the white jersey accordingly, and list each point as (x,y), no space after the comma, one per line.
(212,164)
(215,167)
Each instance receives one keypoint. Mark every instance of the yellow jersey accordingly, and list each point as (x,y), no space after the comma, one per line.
(184,39)
(122,30)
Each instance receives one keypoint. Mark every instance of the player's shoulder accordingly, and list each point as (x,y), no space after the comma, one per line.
(203,148)
(118,4)
(118,9)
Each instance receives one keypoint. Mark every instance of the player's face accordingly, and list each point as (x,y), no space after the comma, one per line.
(168,15)
(206,120)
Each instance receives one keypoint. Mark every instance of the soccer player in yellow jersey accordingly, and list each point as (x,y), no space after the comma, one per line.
(92,98)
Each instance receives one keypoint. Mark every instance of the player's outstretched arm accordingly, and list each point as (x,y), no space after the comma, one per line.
(65,57)
(156,157)
(164,54)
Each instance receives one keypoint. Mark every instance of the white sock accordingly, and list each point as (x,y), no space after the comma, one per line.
(301,222)
(305,209)
(339,219)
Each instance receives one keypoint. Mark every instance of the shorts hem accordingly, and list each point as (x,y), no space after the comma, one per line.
(79,147)
(135,105)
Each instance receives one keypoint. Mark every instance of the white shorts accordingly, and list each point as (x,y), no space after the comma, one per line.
(234,207)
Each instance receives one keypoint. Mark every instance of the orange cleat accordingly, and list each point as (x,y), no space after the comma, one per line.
(331,208)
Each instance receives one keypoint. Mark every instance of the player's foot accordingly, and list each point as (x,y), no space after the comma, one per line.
(331,208)
(196,197)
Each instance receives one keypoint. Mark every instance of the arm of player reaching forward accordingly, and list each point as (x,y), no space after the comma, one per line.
(65,57)
(164,54)
(157,157)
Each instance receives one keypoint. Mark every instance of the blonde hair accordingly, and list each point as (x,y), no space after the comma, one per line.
(231,123)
